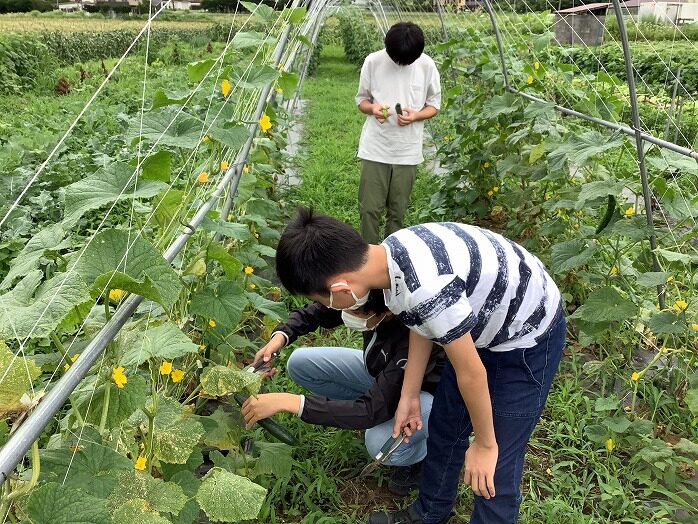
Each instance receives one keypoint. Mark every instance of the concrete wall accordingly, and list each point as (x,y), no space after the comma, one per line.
(579,29)
(671,12)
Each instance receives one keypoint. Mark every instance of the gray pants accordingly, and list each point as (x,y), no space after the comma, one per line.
(383,186)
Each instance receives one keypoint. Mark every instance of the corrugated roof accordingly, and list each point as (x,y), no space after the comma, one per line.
(586,7)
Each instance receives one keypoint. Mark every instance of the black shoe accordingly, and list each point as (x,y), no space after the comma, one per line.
(405,516)
(405,479)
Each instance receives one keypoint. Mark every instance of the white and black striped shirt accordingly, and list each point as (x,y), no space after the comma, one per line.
(449,279)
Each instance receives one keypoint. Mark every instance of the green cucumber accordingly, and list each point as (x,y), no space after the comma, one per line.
(610,209)
(272,427)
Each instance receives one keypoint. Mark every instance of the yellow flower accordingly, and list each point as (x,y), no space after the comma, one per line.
(252,286)
(669,278)
(202,178)
(119,377)
(486,165)
(549,472)
(224,165)
(249,270)
(627,409)
(140,463)
(694,327)
(166,368)
(529,81)
(680,305)
(225,87)
(72,359)
(280,91)
(245,169)
(177,375)
(664,350)
(116,294)
(490,193)
(629,211)
(202,348)
(609,444)
(614,270)
(536,66)
(635,376)
(696,462)
(206,138)
(265,123)
(212,323)
(495,189)
(141,445)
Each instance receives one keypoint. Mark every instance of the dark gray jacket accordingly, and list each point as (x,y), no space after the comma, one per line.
(385,355)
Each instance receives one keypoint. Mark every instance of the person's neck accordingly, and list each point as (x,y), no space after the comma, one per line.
(375,271)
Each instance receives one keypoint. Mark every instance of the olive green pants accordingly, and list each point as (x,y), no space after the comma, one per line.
(383,186)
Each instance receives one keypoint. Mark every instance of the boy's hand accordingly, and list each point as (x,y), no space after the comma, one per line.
(266,405)
(407,117)
(480,463)
(408,417)
(380,112)
(277,342)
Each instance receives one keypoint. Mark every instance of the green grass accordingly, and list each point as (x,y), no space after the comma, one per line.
(331,129)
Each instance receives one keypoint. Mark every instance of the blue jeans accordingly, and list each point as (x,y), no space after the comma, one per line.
(340,374)
(519,381)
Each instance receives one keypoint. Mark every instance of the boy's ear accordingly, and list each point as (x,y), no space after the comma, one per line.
(338,286)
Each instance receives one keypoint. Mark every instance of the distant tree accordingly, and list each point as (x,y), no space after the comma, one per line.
(25,6)
(220,6)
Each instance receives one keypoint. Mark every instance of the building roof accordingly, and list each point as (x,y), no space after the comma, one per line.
(586,7)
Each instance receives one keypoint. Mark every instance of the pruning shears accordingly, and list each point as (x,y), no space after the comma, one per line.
(384,454)
(261,366)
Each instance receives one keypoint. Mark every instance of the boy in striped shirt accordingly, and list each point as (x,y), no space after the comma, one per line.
(496,312)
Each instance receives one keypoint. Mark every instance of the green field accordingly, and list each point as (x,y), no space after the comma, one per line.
(151,433)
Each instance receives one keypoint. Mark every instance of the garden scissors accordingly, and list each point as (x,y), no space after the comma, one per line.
(261,366)
(384,454)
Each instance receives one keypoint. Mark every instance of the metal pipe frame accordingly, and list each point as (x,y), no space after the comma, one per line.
(635,131)
(22,439)
(646,191)
(309,55)
(498,37)
(440,11)
(646,137)
(261,104)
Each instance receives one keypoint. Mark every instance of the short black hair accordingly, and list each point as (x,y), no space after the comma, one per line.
(404,43)
(314,247)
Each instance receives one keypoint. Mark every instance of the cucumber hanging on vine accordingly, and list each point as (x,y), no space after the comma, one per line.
(610,209)
(272,427)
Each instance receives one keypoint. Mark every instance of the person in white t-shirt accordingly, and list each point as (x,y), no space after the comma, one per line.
(390,147)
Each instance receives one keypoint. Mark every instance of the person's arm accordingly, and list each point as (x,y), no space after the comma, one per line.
(300,322)
(370,108)
(265,405)
(481,457)
(431,105)
(364,96)
(409,116)
(408,416)
(374,407)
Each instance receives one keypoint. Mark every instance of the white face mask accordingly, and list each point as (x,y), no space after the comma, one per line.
(358,323)
(358,302)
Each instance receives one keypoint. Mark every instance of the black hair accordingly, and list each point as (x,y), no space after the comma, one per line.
(313,248)
(404,43)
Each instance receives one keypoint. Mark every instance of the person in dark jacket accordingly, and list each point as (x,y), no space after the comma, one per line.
(352,388)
